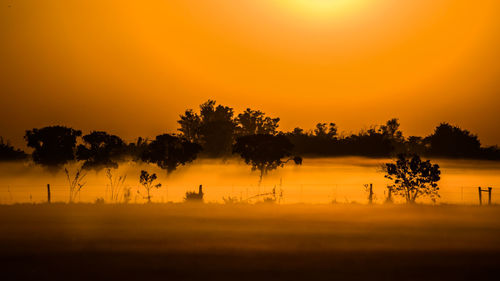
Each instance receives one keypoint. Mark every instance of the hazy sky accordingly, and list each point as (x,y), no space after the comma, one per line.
(131,67)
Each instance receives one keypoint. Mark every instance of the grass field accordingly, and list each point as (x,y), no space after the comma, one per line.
(249,242)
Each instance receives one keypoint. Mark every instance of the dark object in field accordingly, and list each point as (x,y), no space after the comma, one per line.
(480,195)
(192,196)
(53,146)
(101,150)
(169,151)
(213,128)
(265,152)
(75,182)
(9,153)
(413,177)
(147,181)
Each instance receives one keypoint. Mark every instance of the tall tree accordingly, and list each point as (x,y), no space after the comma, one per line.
(324,131)
(214,128)
(265,152)
(391,130)
(252,122)
(53,146)
(451,141)
(190,124)
(100,150)
(170,151)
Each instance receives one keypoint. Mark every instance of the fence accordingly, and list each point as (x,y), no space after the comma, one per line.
(292,193)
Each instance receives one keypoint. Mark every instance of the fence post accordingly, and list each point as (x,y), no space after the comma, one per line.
(389,194)
(48,193)
(370,197)
(489,195)
(480,200)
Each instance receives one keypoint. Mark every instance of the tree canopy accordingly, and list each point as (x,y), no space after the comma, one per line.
(53,146)
(169,151)
(265,152)
(101,150)
(9,153)
(413,178)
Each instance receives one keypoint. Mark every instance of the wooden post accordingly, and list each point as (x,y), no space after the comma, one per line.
(480,200)
(370,196)
(48,193)
(489,195)
(389,194)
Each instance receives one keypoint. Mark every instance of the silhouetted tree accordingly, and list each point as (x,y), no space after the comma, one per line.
(413,177)
(324,131)
(53,146)
(214,128)
(147,181)
(9,153)
(265,152)
(391,129)
(136,150)
(170,151)
(252,122)
(100,150)
(190,124)
(451,141)
(415,145)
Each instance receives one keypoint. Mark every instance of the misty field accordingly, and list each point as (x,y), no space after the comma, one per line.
(249,242)
(316,181)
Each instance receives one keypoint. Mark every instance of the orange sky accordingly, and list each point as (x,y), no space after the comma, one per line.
(131,67)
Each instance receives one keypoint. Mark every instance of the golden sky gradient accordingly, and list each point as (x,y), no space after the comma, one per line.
(131,67)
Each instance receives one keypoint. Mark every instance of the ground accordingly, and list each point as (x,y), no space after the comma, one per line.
(249,242)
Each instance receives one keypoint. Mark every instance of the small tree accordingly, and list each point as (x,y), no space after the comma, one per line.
(147,181)
(265,152)
(413,177)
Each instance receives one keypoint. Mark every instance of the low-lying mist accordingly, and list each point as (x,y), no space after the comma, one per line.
(320,180)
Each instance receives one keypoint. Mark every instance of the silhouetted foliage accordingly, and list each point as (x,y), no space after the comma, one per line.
(136,150)
(195,197)
(413,177)
(75,183)
(214,128)
(101,150)
(190,125)
(147,181)
(451,141)
(324,131)
(53,146)
(416,145)
(324,141)
(252,122)
(265,152)
(9,153)
(170,151)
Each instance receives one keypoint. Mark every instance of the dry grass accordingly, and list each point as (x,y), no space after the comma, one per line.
(248,242)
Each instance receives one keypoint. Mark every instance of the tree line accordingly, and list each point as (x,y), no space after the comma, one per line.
(216,131)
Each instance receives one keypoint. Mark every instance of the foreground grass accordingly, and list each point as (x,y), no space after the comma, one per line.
(248,242)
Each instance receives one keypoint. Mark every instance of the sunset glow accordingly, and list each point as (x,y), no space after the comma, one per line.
(249,140)
(354,62)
